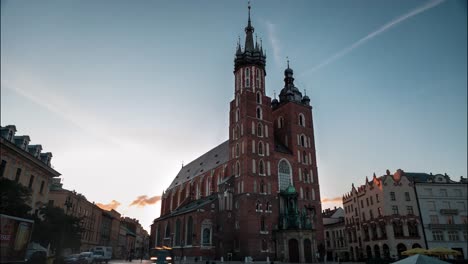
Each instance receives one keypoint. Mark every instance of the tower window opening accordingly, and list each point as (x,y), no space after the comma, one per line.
(257,79)
(260,130)
(261,167)
(260,148)
(301,120)
(247,77)
(259,113)
(280,122)
(259,98)
(303,141)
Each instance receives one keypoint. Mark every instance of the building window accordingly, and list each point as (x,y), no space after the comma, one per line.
(397,229)
(450,220)
(367,201)
(206,239)
(443,192)
(262,224)
(434,219)
(363,216)
(257,79)
(42,187)
(261,167)
(465,235)
(264,245)
(31,181)
(409,210)
(259,113)
(237,115)
(438,235)
(280,122)
(303,141)
(2,167)
(371,214)
(301,120)
(247,77)
(379,210)
(260,130)
(453,236)
(457,192)
(189,232)
(392,196)
(284,174)
(177,233)
(260,148)
(407,196)
(237,168)
(431,206)
(168,231)
(428,192)
(362,204)
(413,229)
(395,209)
(377,197)
(18,174)
(259,98)
(371,200)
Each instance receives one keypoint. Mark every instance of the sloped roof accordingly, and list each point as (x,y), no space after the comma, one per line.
(210,160)
(192,206)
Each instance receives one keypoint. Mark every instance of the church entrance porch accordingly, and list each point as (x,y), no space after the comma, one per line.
(295,246)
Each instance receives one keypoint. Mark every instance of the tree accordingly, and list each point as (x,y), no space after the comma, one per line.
(58,229)
(14,199)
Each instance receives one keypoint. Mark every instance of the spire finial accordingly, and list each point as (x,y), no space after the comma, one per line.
(287,59)
(305,92)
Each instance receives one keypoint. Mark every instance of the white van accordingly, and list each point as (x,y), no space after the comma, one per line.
(102,253)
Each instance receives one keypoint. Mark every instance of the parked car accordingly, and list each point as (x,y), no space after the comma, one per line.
(86,258)
(72,259)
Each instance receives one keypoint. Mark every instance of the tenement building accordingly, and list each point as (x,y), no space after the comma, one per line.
(256,194)
(336,244)
(443,209)
(382,218)
(26,164)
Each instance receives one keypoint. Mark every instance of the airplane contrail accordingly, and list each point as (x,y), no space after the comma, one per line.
(375,33)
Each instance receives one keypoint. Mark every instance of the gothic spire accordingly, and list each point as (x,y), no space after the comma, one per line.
(249,43)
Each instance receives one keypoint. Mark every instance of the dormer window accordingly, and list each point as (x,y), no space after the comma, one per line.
(247,77)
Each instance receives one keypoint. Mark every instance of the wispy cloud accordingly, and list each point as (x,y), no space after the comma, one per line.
(144,200)
(332,200)
(274,42)
(375,33)
(112,205)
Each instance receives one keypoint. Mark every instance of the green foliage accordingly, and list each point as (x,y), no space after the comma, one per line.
(14,199)
(58,229)
(51,224)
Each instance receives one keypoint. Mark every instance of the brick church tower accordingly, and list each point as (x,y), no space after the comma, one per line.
(257,194)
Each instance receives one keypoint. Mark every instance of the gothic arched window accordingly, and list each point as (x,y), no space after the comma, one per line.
(189,233)
(260,148)
(259,130)
(257,79)
(177,233)
(247,77)
(284,174)
(261,167)
(259,113)
(237,168)
(259,98)
(301,120)
(168,230)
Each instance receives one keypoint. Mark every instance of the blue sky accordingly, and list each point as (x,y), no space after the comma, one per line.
(123,92)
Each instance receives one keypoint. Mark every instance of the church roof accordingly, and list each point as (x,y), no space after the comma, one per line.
(190,207)
(210,160)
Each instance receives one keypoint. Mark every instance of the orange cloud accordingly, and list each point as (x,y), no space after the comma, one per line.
(143,200)
(112,205)
(332,200)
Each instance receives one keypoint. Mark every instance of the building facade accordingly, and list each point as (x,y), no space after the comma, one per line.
(76,204)
(336,244)
(257,194)
(382,218)
(443,209)
(26,164)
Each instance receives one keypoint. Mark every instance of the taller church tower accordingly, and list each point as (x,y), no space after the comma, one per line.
(272,158)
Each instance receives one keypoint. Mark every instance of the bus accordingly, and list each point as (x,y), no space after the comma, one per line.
(162,255)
